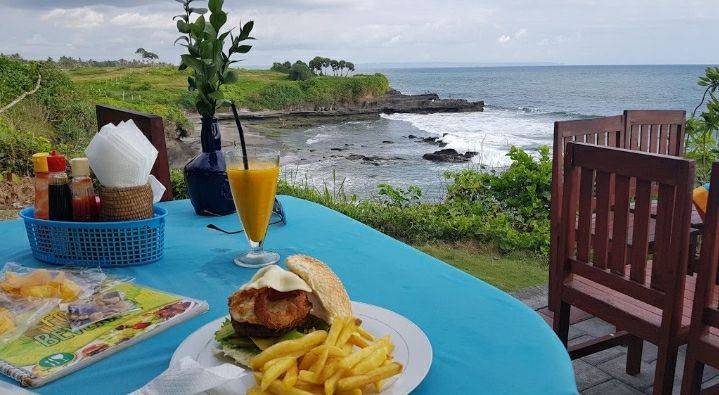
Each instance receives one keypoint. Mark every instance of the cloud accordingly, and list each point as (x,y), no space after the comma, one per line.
(51,4)
(381,31)
(503,39)
(139,21)
(77,18)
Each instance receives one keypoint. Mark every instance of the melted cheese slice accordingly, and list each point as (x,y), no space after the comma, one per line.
(278,279)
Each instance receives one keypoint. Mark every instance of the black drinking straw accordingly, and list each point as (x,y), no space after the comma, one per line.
(242,136)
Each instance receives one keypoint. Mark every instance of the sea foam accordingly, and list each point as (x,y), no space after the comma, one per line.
(490,133)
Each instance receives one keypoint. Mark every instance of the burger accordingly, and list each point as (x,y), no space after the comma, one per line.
(279,304)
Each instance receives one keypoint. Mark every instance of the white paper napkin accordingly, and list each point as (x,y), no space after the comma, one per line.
(157,188)
(188,377)
(121,156)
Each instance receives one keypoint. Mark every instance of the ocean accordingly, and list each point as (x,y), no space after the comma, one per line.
(521,105)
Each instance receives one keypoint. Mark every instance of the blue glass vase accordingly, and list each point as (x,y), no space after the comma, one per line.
(206,176)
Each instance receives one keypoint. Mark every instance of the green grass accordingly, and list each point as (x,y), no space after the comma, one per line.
(255,89)
(508,272)
(163,90)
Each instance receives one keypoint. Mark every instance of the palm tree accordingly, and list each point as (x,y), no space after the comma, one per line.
(326,62)
(350,67)
(316,65)
(146,55)
(341,65)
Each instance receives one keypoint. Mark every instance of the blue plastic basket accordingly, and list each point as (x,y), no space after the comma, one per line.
(92,244)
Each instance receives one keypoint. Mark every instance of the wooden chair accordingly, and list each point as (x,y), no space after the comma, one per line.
(655,131)
(607,131)
(662,132)
(703,343)
(643,297)
(151,126)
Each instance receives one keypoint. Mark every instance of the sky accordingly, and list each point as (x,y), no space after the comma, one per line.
(383,31)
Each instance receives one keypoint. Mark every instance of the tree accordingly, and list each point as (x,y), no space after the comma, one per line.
(350,67)
(326,63)
(146,55)
(334,65)
(341,66)
(281,67)
(316,65)
(702,129)
(300,71)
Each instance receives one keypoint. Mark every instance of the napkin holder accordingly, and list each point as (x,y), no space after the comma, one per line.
(126,204)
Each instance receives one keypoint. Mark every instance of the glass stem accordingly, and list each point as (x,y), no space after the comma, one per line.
(255,247)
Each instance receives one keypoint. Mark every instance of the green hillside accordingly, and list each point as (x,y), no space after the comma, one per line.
(61,112)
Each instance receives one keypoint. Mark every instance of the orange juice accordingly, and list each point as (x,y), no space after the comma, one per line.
(254,193)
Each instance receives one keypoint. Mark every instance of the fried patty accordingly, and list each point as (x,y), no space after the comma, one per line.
(266,312)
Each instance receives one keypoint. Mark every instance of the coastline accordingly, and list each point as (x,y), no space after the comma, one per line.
(391,102)
(262,127)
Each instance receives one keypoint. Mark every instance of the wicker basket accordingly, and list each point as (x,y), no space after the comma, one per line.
(125,204)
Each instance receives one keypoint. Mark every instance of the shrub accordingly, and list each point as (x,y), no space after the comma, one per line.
(278,95)
(179,187)
(509,209)
(300,71)
(17,147)
(281,67)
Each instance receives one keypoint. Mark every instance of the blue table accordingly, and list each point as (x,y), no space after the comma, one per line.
(484,341)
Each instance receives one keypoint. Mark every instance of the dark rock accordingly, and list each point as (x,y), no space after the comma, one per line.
(411,136)
(347,145)
(449,155)
(337,149)
(373,160)
(435,141)
(387,142)
(312,150)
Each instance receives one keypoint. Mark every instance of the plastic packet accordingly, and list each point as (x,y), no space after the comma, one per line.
(101,306)
(17,315)
(68,284)
(107,302)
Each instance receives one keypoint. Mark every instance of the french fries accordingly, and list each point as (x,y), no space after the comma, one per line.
(301,345)
(346,360)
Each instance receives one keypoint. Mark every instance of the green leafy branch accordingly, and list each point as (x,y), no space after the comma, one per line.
(701,130)
(206,57)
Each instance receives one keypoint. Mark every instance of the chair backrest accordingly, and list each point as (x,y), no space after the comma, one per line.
(151,126)
(705,312)
(608,131)
(655,131)
(604,257)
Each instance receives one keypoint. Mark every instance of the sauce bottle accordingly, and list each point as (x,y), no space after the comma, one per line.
(59,196)
(84,207)
(39,164)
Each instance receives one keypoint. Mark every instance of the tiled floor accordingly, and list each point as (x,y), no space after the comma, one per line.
(604,372)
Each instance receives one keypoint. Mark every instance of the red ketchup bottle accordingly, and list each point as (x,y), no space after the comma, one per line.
(84,207)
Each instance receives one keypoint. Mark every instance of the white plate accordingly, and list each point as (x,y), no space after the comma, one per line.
(412,348)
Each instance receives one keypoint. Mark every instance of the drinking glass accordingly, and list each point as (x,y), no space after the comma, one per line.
(253,190)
